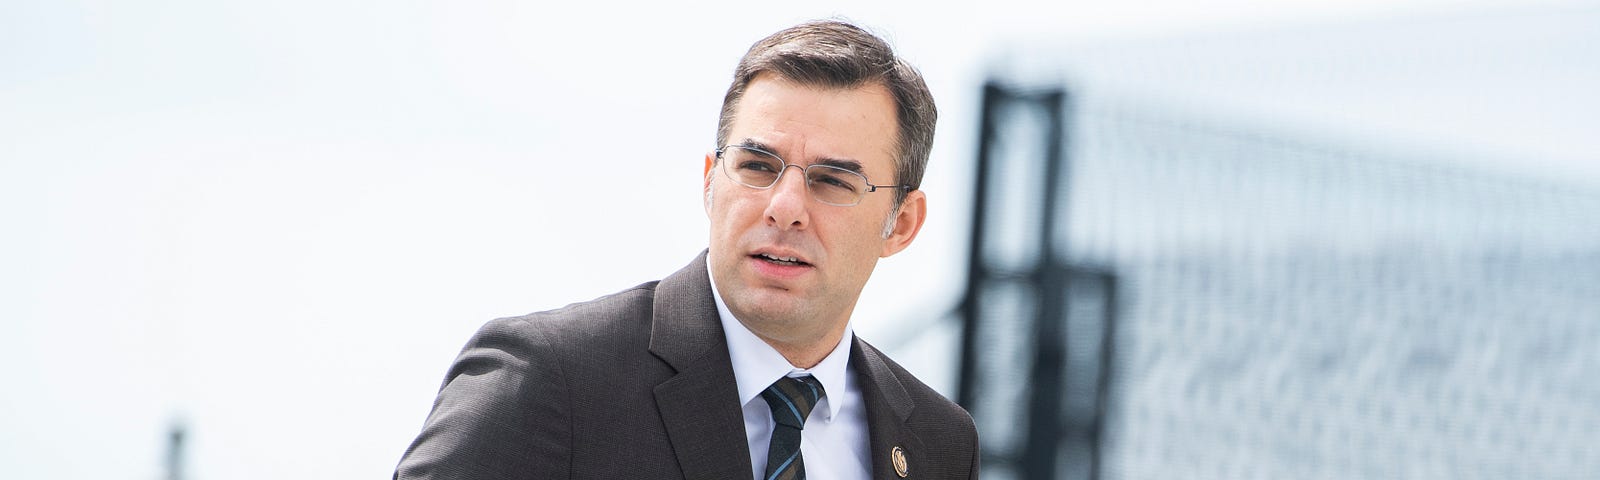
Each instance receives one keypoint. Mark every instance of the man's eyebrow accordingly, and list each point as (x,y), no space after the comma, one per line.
(756,144)
(843,163)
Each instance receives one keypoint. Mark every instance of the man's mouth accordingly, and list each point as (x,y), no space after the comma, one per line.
(787,261)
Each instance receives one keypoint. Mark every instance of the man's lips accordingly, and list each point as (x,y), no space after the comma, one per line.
(778,259)
(781,267)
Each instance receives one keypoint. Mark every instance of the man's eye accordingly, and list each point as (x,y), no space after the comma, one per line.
(833,182)
(758,166)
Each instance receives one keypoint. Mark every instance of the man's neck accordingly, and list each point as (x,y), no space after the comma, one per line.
(805,353)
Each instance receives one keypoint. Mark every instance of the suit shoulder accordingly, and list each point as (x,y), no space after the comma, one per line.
(617,321)
(598,314)
(928,400)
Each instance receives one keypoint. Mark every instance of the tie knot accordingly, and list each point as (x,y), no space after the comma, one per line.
(792,398)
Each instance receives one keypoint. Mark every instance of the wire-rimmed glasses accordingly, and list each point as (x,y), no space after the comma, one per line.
(829,184)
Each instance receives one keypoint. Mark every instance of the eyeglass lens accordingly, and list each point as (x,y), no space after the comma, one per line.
(828,184)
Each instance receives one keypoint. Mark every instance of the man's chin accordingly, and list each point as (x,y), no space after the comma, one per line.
(768,306)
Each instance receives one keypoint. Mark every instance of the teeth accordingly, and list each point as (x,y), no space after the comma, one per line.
(781,259)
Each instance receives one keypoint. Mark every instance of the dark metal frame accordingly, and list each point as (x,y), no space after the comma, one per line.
(1051,428)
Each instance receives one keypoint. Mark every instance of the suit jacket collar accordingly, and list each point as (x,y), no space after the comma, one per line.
(888,408)
(684,328)
(700,404)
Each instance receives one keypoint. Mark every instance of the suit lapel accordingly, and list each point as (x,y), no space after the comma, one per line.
(700,405)
(888,407)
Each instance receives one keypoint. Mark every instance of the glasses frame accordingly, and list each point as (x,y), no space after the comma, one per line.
(805,172)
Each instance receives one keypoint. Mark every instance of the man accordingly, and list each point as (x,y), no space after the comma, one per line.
(743,364)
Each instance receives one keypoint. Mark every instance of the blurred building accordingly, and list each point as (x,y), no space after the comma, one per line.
(1253,257)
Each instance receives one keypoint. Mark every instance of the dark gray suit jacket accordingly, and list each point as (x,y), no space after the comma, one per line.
(638,384)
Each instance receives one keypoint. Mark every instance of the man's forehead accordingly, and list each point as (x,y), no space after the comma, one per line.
(854,124)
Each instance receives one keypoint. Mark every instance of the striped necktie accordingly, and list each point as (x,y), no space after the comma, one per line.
(791,400)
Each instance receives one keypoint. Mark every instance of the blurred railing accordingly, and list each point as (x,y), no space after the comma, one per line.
(1153,295)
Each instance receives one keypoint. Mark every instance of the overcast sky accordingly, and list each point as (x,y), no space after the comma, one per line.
(278,221)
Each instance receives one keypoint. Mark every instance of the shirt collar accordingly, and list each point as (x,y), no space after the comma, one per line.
(756,365)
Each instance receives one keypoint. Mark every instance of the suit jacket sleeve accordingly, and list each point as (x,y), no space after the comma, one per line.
(501,413)
(977,455)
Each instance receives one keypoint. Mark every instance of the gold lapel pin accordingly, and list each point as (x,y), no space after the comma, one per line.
(898,456)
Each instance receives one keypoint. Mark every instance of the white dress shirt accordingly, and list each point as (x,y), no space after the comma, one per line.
(834,442)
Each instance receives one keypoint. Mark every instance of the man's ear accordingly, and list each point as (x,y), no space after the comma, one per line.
(706,186)
(906,223)
(711,159)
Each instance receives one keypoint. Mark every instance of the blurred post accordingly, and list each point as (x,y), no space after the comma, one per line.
(1036,350)
(175,439)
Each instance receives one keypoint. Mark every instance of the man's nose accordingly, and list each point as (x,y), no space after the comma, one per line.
(787,206)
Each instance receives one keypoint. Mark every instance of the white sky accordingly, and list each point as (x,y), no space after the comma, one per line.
(280,220)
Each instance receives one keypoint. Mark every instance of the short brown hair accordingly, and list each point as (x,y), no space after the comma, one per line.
(836,54)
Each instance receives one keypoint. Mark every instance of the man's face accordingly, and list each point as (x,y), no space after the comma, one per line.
(834,248)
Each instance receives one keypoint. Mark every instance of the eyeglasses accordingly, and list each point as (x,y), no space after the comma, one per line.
(760,169)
